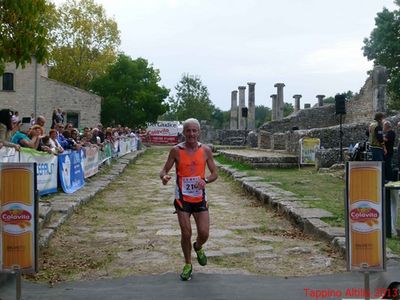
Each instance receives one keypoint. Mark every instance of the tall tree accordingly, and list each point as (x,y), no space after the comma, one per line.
(287,109)
(85,43)
(218,118)
(192,99)
(263,114)
(384,49)
(24,28)
(131,93)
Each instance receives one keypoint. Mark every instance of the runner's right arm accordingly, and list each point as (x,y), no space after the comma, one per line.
(168,165)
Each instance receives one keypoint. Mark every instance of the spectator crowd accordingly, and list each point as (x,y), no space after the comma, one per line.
(31,133)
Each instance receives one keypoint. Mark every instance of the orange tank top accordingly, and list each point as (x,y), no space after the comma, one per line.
(190,169)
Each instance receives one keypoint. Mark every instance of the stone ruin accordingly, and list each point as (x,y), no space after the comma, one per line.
(320,121)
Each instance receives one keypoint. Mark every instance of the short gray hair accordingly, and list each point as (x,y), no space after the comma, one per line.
(191,121)
(388,124)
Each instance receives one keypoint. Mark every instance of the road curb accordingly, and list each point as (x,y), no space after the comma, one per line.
(56,211)
(307,219)
(53,213)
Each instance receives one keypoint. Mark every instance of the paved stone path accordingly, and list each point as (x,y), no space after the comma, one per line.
(130,229)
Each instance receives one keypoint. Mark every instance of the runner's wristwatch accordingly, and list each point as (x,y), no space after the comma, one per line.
(206,180)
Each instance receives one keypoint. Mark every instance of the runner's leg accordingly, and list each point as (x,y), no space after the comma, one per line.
(203,227)
(186,234)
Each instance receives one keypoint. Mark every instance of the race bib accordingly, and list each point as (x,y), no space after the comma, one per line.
(189,186)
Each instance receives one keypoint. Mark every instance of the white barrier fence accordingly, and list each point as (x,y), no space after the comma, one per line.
(71,167)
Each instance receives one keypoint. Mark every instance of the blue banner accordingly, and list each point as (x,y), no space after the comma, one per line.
(71,172)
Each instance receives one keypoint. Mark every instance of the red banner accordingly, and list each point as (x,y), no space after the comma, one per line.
(163,139)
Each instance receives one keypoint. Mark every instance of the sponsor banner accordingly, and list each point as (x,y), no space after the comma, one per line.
(114,149)
(308,148)
(134,143)
(105,154)
(364,216)
(90,161)
(9,154)
(46,169)
(71,172)
(163,132)
(18,208)
(163,139)
(124,147)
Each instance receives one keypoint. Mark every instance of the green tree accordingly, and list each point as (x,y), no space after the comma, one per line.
(85,43)
(218,118)
(263,114)
(192,99)
(384,49)
(131,93)
(287,109)
(331,100)
(24,28)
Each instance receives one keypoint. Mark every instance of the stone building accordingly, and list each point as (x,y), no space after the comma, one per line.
(17,92)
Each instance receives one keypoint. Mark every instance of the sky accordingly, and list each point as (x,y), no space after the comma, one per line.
(312,46)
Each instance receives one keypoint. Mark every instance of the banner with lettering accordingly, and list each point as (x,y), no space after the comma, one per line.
(163,132)
(124,146)
(308,148)
(18,211)
(105,154)
(71,172)
(134,143)
(365,239)
(46,169)
(8,154)
(90,161)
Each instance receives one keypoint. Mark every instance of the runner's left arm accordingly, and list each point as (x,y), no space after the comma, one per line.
(211,166)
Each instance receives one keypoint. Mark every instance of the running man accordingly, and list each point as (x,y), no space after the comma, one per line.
(190,158)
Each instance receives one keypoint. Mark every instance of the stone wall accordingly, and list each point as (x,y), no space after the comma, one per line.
(207,134)
(304,119)
(231,137)
(50,94)
(279,141)
(325,158)
(330,137)
(358,109)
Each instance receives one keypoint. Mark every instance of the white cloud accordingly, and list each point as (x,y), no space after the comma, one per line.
(340,57)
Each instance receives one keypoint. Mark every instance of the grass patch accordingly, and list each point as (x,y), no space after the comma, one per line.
(394,244)
(316,190)
(234,164)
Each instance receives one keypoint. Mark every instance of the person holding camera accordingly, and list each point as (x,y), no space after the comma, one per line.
(376,141)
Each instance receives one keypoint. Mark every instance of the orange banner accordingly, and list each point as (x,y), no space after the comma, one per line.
(17,200)
(364,201)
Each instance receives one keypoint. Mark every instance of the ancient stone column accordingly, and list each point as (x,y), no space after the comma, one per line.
(280,103)
(307,105)
(234,111)
(320,100)
(274,100)
(379,80)
(241,105)
(251,118)
(296,102)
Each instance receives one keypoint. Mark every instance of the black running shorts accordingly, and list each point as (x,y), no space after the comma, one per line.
(191,207)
